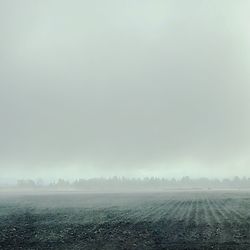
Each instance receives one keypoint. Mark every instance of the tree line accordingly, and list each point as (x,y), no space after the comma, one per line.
(147,183)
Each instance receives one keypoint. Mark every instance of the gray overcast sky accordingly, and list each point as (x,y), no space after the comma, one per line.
(132,88)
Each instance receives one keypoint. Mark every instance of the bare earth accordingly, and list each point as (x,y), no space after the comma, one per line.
(170,220)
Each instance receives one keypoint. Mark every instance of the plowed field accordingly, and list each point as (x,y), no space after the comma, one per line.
(171,220)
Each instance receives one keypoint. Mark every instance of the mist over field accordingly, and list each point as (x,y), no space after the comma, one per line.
(136,89)
(124,124)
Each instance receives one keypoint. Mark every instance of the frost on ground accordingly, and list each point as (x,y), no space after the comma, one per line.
(171,220)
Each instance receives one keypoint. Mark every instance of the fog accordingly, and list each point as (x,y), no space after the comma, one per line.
(124,88)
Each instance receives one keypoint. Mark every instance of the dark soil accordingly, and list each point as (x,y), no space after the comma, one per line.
(193,222)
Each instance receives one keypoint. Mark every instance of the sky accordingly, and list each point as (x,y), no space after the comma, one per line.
(127,88)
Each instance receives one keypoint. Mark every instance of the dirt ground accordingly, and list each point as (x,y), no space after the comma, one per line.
(171,220)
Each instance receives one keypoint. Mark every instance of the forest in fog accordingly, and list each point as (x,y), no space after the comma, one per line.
(133,184)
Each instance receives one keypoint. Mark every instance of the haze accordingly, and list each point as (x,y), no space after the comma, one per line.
(127,88)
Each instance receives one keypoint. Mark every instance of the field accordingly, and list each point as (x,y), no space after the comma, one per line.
(170,220)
